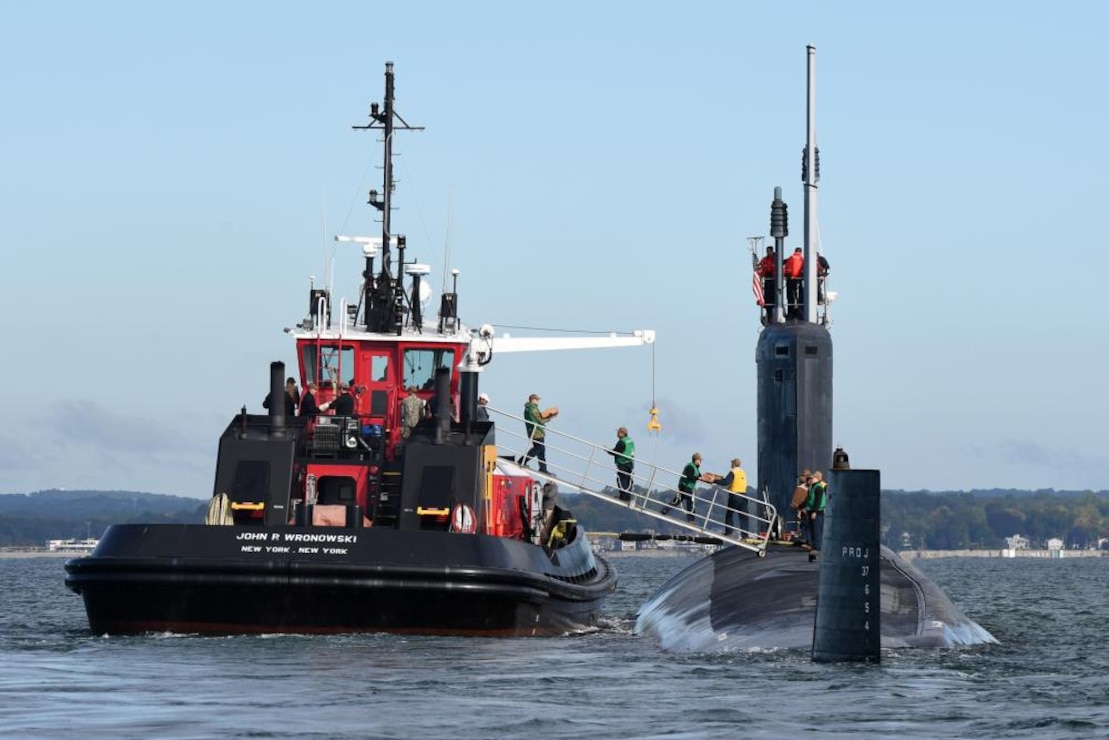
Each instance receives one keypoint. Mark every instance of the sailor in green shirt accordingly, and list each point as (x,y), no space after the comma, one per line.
(624,452)
(691,474)
(814,510)
(535,422)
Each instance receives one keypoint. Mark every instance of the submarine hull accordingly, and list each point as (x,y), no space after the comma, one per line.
(735,600)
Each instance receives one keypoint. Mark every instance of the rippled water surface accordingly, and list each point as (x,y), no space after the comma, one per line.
(1047,678)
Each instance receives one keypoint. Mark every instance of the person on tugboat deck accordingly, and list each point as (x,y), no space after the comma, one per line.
(344,404)
(411,411)
(535,422)
(308,405)
(482,413)
(291,396)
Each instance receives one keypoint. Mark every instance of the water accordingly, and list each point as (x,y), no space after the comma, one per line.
(1047,679)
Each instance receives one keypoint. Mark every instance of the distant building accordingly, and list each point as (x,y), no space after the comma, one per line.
(83,547)
(1017,542)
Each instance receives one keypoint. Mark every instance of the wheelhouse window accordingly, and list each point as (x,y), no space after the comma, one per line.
(420,365)
(327,363)
(379,368)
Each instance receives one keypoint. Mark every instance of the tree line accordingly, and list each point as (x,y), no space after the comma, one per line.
(929,520)
(29,520)
(982,520)
(936,520)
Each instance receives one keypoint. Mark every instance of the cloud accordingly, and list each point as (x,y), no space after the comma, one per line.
(88,424)
(680,426)
(82,444)
(23,455)
(1029,452)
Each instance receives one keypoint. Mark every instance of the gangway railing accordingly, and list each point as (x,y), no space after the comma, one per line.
(589,468)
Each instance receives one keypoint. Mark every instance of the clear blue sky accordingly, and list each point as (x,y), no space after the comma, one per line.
(171,171)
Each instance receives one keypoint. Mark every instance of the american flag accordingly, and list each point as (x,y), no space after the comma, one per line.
(756,288)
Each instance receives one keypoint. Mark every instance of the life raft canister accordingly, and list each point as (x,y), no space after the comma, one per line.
(463,520)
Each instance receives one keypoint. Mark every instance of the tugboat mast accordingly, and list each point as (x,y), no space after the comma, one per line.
(383,297)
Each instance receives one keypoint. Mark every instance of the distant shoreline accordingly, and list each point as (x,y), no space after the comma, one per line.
(31,552)
(1009,554)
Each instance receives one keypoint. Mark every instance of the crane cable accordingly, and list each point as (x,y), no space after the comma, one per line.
(653,425)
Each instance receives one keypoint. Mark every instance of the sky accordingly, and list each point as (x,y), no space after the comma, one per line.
(173,174)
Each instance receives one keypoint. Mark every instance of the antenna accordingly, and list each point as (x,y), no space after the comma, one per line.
(810,173)
(384,296)
(447,240)
(323,218)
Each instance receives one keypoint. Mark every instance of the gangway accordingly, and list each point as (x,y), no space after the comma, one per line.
(578,465)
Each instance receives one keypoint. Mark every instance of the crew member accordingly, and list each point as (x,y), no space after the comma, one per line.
(411,411)
(308,406)
(767,269)
(535,423)
(687,484)
(822,270)
(735,483)
(797,503)
(482,413)
(291,398)
(624,452)
(814,508)
(794,270)
(345,403)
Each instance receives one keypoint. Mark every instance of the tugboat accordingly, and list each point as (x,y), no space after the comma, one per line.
(359,520)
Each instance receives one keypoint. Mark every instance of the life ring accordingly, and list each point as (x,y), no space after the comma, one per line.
(463,519)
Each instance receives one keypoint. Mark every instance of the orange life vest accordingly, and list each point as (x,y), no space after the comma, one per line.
(794,267)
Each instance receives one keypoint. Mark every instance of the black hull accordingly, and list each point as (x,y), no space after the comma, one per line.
(234,580)
(736,600)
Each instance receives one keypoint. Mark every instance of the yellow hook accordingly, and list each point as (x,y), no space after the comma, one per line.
(653,425)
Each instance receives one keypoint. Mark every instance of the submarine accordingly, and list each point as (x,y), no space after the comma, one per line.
(854,596)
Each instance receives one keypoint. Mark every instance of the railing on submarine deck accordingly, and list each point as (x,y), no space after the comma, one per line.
(590,468)
(823,304)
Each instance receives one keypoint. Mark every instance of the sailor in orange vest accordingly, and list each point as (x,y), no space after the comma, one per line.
(794,269)
(766,269)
